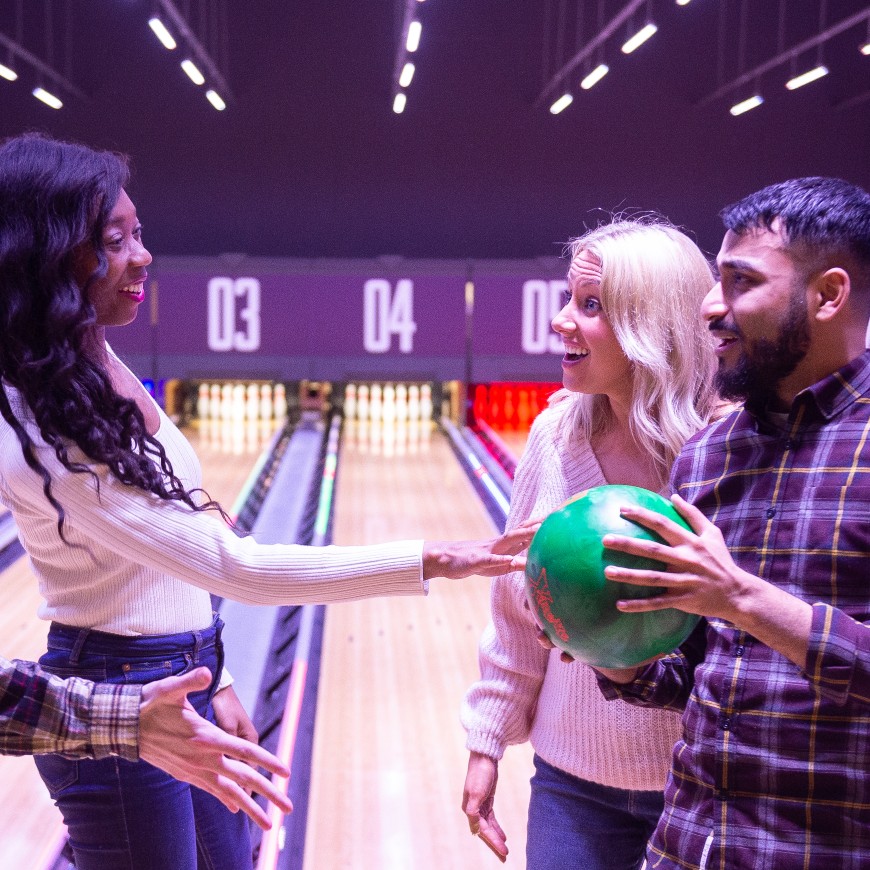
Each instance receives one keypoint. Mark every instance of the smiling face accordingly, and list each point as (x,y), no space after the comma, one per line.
(117,295)
(759,316)
(594,361)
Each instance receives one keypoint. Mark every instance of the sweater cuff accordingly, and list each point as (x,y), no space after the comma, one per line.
(485,744)
(114,721)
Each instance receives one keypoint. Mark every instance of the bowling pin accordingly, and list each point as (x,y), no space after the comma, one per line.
(426,402)
(214,401)
(376,403)
(401,402)
(389,406)
(524,410)
(413,402)
(350,402)
(362,404)
(280,401)
(202,401)
(238,410)
(252,402)
(226,401)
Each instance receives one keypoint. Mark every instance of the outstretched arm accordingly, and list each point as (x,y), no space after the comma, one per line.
(455,559)
(175,738)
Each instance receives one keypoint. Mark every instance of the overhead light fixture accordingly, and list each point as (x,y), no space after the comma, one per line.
(406,75)
(399,103)
(413,41)
(193,72)
(865,49)
(595,76)
(807,77)
(8,73)
(683,2)
(744,106)
(561,104)
(639,38)
(215,99)
(47,98)
(162,33)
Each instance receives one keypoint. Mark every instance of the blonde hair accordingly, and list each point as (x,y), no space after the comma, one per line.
(653,279)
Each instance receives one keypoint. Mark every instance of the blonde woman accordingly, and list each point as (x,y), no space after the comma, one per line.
(637,373)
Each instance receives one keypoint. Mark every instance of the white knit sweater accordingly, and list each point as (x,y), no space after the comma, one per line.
(526,693)
(136,564)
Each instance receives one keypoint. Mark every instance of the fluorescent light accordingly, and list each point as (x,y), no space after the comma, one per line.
(414,31)
(215,99)
(193,72)
(746,105)
(47,98)
(639,38)
(406,75)
(562,103)
(162,33)
(865,49)
(399,103)
(683,2)
(8,73)
(807,77)
(595,76)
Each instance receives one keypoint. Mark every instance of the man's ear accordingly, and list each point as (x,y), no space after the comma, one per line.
(831,290)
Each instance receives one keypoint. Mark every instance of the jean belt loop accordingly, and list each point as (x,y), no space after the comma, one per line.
(197,646)
(81,640)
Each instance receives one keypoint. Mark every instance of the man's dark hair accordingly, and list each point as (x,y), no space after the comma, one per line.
(824,221)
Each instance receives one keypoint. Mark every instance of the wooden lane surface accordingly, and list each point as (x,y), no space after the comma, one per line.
(514,439)
(31,823)
(389,759)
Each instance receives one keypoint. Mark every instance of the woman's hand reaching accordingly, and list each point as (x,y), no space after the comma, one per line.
(456,559)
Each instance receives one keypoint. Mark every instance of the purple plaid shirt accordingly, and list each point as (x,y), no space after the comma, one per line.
(41,713)
(773,770)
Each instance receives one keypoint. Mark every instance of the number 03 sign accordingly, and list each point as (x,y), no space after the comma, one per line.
(234,314)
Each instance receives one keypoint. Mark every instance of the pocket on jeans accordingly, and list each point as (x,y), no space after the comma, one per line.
(146,672)
(58,773)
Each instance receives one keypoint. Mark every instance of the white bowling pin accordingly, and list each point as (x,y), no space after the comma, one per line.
(350,402)
(362,403)
(202,401)
(280,394)
(376,403)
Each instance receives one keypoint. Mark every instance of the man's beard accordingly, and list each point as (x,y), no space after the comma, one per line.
(758,373)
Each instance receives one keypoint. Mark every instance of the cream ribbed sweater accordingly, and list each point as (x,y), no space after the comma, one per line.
(526,693)
(140,565)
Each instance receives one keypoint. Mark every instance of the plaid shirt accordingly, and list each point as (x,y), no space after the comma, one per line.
(40,713)
(772,770)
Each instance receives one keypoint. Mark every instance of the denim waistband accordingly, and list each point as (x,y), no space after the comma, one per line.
(90,641)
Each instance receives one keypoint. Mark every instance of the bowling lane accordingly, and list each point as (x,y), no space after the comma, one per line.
(514,439)
(32,824)
(389,759)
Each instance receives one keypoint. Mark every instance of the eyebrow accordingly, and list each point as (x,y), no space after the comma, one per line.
(736,263)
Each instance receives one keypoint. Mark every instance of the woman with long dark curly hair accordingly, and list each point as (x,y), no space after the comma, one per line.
(105,492)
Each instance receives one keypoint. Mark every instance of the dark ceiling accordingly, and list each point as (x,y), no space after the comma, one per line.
(309,160)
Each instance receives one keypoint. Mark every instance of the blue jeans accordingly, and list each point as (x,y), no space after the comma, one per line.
(576,824)
(124,815)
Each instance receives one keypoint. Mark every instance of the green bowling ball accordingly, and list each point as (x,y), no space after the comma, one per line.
(575,603)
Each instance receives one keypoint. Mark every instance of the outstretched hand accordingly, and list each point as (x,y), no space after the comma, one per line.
(456,559)
(175,738)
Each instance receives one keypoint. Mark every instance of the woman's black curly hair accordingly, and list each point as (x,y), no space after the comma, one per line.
(55,199)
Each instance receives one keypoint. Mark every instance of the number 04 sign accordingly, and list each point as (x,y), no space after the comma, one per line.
(388,312)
